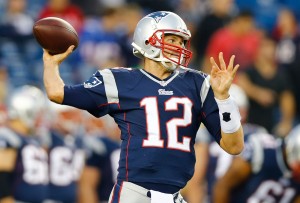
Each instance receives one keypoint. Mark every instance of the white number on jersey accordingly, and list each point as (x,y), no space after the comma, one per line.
(78,163)
(35,162)
(153,124)
(264,191)
(65,165)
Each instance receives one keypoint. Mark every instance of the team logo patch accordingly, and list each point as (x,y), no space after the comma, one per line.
(157,16)
(92,82)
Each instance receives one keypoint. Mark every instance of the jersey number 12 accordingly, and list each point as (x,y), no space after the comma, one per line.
(154,138)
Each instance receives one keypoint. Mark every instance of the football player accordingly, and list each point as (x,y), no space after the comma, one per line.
(267,171)
(158,108)
(66,153)
(23,162)
(100,172)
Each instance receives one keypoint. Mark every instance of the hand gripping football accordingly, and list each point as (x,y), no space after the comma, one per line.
(55,34)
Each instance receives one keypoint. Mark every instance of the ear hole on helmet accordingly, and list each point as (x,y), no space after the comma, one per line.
(146,42)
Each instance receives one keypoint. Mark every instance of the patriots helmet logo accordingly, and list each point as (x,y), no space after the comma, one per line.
(92,82)
(157,16)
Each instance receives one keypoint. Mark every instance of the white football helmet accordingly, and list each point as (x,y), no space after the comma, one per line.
(148,39)
(26,104)
(292,145)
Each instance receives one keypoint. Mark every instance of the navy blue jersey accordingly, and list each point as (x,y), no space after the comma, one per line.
(219,160)
(30,175)
(103,154)
(270,180)
(158,119)
(66,159)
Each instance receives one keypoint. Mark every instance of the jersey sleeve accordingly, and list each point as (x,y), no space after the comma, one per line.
(210,111)
(95,95)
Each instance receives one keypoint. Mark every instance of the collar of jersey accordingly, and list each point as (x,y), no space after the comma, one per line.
(164,82)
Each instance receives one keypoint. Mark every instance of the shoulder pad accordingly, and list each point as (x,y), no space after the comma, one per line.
(182,69)
(260,141)
(10,138)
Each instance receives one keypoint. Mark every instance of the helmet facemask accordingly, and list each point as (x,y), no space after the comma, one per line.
(180,55)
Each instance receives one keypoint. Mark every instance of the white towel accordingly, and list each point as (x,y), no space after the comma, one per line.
(159,197)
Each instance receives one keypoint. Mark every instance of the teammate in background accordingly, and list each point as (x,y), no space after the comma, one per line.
(23,162)
(66,154)
(100,172)
(266,171)
(158,109)
(211,161)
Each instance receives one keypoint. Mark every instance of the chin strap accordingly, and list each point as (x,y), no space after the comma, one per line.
(169,65)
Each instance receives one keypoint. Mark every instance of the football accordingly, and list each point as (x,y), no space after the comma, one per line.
(55,34)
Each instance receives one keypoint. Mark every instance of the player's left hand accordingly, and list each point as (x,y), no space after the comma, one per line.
(221,77)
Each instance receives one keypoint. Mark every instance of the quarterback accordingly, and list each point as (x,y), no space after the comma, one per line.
(158,108)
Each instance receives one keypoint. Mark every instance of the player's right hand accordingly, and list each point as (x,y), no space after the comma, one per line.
(58,58)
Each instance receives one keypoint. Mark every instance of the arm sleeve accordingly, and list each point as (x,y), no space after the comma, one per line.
(210,116)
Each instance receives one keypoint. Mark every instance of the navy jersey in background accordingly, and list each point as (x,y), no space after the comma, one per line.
(30,175)
(103,154)
(219,161)
(66,160)
(271,179)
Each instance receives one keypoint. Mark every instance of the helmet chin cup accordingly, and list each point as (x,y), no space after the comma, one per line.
(170,66)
